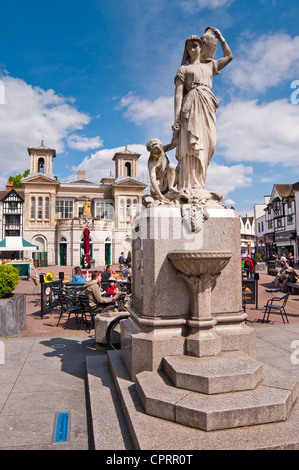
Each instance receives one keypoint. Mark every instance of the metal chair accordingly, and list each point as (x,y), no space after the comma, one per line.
(88,310)
(277,304)
(67,306)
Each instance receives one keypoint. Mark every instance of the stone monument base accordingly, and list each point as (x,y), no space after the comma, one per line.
(145,341)
(186,343)
(149,432)
(168,316)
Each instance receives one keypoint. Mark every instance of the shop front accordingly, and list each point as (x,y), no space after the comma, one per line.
(285,242)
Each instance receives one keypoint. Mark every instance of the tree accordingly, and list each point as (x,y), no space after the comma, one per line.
(17,179)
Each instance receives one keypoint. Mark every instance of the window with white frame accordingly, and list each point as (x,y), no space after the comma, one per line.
(64,209)
(47,208)
(40,208)
(279,223)
(105,210)
(122,209)
(80,208)
(290,219)
(32,208)
(129,208)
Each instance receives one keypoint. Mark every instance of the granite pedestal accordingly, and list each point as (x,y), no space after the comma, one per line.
(159,322)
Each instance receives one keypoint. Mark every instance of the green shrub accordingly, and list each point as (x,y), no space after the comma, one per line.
(9,279)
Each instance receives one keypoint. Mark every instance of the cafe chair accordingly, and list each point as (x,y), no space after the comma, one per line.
(37,286)
(276,304)
(67,306)
(88,311)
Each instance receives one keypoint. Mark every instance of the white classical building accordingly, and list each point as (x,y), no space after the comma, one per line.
(56,213)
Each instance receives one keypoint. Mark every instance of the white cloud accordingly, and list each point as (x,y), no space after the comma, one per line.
(229,202)
(157,115)
(84,143)
(99,164)
(189,5)
(254,132)
(30,113)
(265,62)
(226,179)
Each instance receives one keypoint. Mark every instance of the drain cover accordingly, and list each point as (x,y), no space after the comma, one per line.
(61,428)
(58,346)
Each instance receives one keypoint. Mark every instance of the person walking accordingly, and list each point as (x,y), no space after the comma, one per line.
(249,268)
(121,261)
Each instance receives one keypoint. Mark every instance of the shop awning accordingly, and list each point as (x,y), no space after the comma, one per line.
(16,244)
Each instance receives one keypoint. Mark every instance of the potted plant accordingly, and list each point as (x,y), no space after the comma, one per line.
(12,305)
(260,265)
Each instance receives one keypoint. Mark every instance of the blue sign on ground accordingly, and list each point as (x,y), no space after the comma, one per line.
(61,428)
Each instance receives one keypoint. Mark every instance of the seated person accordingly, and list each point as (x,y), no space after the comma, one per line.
(107,273)
(287,274)
(92,291)
(112,289)
(127,274)
(79,277)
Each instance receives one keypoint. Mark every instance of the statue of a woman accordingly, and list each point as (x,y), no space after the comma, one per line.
(194,129)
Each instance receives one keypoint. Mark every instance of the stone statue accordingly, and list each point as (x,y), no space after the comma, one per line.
(194,128)
(86,207)
(162,173)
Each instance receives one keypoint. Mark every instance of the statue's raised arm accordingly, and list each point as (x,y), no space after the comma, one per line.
(227,53)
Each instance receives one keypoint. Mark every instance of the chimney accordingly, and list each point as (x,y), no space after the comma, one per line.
(9,185)
(81,175)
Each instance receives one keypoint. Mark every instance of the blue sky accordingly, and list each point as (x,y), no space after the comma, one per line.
(90,76)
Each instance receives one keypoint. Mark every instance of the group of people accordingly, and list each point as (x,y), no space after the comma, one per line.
(125,267)
(93,288)
(286,257)
(286,274)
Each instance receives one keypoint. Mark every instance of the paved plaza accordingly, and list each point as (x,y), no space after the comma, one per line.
(45,373)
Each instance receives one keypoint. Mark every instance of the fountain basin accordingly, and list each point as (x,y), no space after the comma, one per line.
(198,262)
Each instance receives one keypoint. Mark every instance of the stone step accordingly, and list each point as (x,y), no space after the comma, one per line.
(226,372)
(109,426)
(271,401)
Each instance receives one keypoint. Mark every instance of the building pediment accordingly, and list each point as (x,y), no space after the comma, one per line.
(128,182)
(40,179)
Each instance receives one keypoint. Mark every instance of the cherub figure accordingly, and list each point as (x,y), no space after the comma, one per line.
(163,175)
